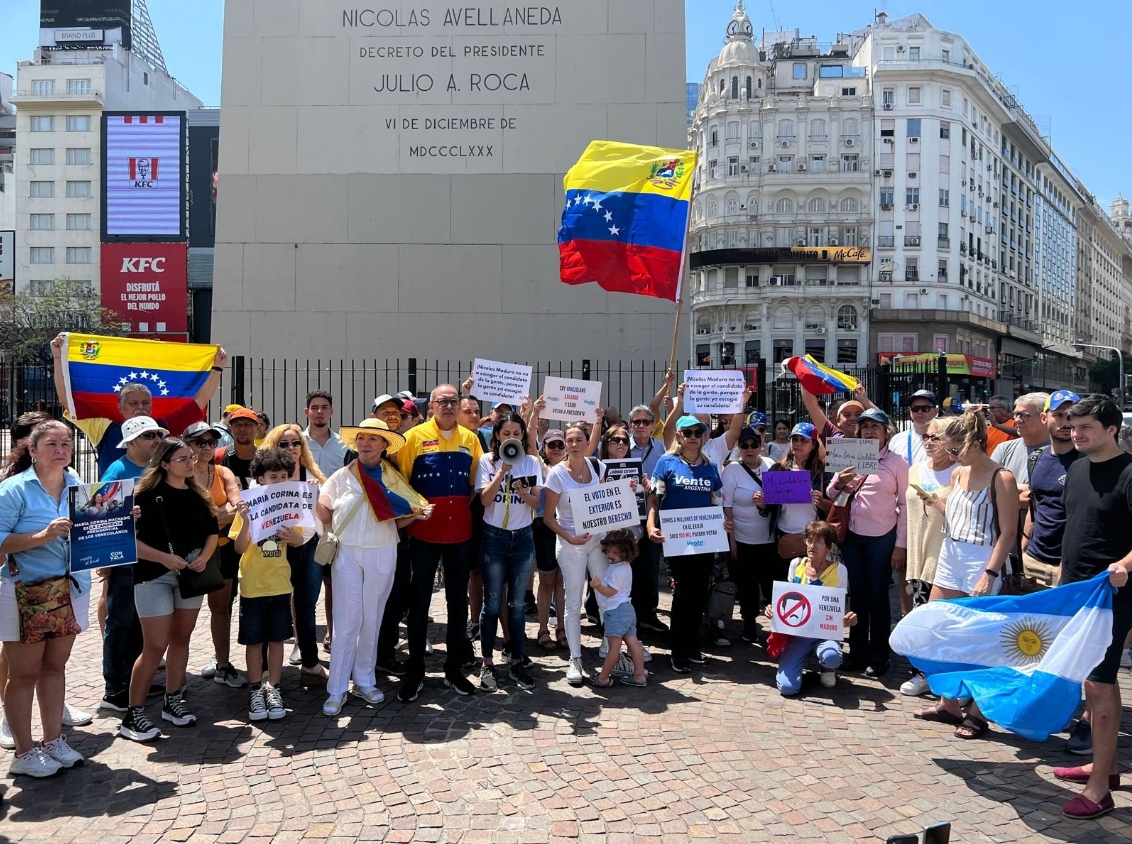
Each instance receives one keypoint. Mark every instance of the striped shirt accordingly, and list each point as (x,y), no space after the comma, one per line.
(969,516)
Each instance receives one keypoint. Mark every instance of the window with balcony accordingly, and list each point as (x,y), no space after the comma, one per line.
(78,254)
(42,222)
(817,130)
(42,123)
(43,255)
(817,163)
(913,54)
(42,190)
(785,164)
(941,273)
(78,123)
(848,237)
(79,190)
(42,156)
(78,222)
(43,87)
(786,131)
(78,155)
(77,87)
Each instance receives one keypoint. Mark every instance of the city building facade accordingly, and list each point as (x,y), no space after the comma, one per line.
(7,154)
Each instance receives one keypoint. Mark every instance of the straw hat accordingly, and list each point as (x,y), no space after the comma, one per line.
(393,440)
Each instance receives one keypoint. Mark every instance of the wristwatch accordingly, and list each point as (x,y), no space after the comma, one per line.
(991,572)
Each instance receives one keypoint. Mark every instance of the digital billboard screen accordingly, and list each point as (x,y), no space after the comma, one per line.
(146,284)
(64,23)
(144,192)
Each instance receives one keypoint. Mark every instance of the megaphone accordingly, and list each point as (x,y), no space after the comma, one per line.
(511,450)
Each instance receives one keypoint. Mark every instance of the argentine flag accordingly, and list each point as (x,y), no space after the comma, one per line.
(1022,658)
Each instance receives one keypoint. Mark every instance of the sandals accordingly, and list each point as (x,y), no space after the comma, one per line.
(546,641)
(972,727)
(595,680)
(938,715)
(563,642)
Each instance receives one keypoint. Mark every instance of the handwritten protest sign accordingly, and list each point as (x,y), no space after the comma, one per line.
(102,532)
(786,488)
(569,398)
(697,530)
(501,382)
(713,391)
(812,612)
(275,505)
(851,453)
(600,508)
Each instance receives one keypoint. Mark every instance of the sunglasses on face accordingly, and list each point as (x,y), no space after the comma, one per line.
(636,422)
(619,440)
(932,438)
(921,408)
(209,443)
(748,445)
(694,433)
(1023,417)
(554,446)
(290,443)
(446,402)
(954,452)
(149,435)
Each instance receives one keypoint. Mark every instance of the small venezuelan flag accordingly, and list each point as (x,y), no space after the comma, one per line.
(626,218)
(819,380)
(95,369)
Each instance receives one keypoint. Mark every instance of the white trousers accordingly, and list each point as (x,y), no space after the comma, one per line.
(574,560)
(363,579)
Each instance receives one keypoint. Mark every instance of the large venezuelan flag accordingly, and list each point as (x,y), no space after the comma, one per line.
(817,379)
(96,368)
(626,218)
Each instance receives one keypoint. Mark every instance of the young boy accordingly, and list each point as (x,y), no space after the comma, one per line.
(265,591)
(617,614)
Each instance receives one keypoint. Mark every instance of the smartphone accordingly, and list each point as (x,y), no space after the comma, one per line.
(903,839)
(920,489)
(938,833)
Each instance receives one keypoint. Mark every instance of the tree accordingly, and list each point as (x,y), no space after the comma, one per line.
(1106,373)
(32,321)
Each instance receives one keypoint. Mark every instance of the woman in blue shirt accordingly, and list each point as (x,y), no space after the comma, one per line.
(685,478)
(34,533)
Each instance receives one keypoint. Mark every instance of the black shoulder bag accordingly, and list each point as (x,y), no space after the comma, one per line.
(193,584)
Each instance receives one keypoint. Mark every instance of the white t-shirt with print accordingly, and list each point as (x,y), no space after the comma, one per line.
(517,513)
(558,480)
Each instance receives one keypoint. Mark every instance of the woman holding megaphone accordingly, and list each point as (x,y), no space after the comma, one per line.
(509,482)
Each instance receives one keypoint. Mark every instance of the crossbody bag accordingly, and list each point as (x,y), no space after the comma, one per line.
(327,548)
(192,584)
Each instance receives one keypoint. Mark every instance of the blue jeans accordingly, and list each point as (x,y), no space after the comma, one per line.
(508,558)
(868,560)
(793,661)
(122,639)
(425,558)
(306,581)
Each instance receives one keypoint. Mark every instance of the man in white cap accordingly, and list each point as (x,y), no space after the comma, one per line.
(122,638)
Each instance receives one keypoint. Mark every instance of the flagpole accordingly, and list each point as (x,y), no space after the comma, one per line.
(680,282)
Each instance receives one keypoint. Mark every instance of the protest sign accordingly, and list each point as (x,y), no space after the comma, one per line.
(275,505)
(697,530)
(569,398)
(787,488)
(718,391)
(811,612)
(851,453)
(102,532)
(493,381)
(616,470)
(600,508)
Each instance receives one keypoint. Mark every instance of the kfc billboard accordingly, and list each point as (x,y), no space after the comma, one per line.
(144,175)
(147,285)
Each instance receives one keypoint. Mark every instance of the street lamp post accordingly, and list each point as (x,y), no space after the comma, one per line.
(1119,359)
(723,343)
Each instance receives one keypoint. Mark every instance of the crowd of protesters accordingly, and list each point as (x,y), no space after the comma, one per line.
(957,506)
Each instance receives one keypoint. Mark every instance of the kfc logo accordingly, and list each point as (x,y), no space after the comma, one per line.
(143,172)
(141,265)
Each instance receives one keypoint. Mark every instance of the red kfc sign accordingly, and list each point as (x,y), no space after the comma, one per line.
(147,285)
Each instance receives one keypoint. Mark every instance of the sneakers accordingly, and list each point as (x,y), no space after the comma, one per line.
(209,670)
(136,726)
(473,631)
(697,658)
(721,641)
(35,763)
(646,654)
(915,687)
(506,654)
(7,740)
(681,665)
(116,703)
(653,625)
(460,684)
(521,678)
(333,705)
(62,752)
(750,632)
(1126,658)
(227,675)
(274,700)
(296,657)
(410,688)
(603,649)
(75,717)
(257,704)
(574,674)
(829,678)
(1080,742)
(175,711)
(876,670)
(624,667)
(371,696)
(488,682)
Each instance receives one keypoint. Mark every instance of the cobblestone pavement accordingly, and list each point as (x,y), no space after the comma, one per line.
(715,755)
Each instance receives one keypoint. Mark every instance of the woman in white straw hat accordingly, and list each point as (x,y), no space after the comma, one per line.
(363,504)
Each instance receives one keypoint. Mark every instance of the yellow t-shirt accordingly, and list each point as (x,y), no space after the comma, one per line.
(264,570)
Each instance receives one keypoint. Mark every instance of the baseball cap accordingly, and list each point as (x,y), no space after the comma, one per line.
(756,418)
(406,394)
(803,429)
(925,394)
(750,433)
(135,426)
(198,429)
(500,404)
(685,422)
(231,408)
(384,398)
(244,413)
(410,407)
(849,405)
(1059,398)
(554,434)
(874,414)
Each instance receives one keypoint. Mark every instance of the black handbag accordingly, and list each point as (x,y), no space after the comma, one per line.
(193,584)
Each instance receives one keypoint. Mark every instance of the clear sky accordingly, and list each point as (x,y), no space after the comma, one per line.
(1067,62)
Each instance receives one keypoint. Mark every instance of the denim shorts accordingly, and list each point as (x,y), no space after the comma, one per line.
(265,619)
(161,596)
(621,621)
(1108,668)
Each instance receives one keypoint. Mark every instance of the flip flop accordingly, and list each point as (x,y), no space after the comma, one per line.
(972,727)
(633,681)
(546,641)
(597,684)
(938,715)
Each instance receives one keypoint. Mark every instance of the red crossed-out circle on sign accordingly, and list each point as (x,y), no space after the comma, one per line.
(793,609)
